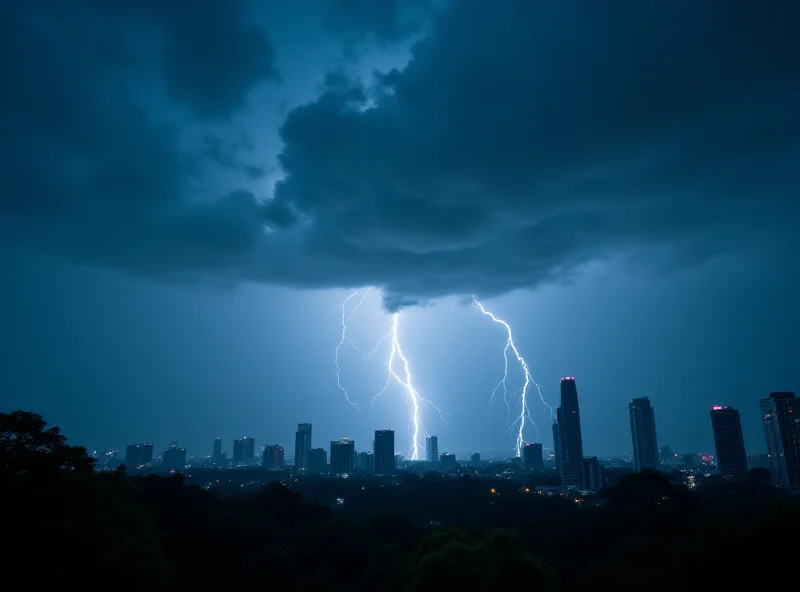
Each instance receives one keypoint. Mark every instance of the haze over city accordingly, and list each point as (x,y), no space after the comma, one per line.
(186,203)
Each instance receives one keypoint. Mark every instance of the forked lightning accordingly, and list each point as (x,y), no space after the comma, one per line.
(524,413)
(401,376)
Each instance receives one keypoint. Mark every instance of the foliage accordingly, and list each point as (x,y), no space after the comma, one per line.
(96,530)
(26,444)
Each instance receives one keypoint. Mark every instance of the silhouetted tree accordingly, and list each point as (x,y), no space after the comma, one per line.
(28,445)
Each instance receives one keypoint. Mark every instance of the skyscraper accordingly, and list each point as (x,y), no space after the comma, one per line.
(384,452)
(728,440)
(273,456)
(532,457)
(432,449)
(302,444)
(174,458)
(780,414)
(317,461)
(557,441)
(217,450)
(138,455)
(643,434)
(570,437)
(343,452)
(592,474)
(244,449)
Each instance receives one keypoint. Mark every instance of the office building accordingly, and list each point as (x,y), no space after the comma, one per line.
(273,457)
(138,455)
(343,452)
(570,437)
(432,449)
(557,444)
(174,458)
(592,474)
(729,442)
(302,444)
(317,461)
(365,462)
(244,450)
(384,452)
(475,459)
(666,454)
(532,458)
(448,460)
(217,456)
(780,414)
(643,434)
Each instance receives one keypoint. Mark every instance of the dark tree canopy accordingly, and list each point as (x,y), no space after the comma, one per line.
(28,445)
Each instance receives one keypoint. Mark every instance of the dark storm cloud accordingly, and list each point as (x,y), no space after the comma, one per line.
(90,164)
(523,139)
(388,21)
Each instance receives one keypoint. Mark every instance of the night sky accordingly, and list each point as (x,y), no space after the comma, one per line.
(191,189)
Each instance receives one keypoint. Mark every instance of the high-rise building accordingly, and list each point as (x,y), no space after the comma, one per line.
(448,460)
(532,458)
(592,474)
(365,461)
(217,450)
(780,414)
(147,453)
(244,449)
(432,449)
(302,444)
(174,458)
(666,454)
(138,455)
(475,459)
(133,456)
(273,457)
(557,442)
(317,461)
(570,437)
(729,442)
(643,434)
(343,452)
(384,452)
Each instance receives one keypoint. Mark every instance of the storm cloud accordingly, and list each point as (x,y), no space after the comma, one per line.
(522,140)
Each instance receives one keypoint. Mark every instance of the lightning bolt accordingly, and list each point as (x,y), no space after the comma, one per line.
(524,414)
(404,381)
(398,369)
(346,339)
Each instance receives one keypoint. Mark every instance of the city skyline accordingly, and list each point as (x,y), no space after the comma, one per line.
(175,259)
(726,434)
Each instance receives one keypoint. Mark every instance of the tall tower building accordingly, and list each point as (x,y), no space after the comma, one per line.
(343,452)
(317,461)
(643,434)
(384,452)
(273,456)
(728,440)
(432,449)
(217,450)
(780,414)
(244,449)
(592,474)
(570,437)
(302,444)
(174,458)
(557,441)
(147,453)
(532,457)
